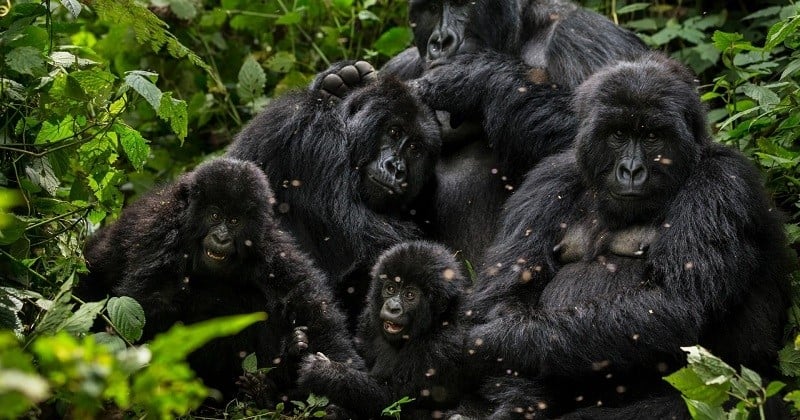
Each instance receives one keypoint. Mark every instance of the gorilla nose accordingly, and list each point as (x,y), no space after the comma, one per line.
(221,239)
(442,44)
(631,173)
(396,168)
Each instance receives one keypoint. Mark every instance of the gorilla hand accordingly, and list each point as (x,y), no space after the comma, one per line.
(338,82)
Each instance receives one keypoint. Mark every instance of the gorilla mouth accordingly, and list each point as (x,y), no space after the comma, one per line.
(390,187)
(392,328)
(216,256)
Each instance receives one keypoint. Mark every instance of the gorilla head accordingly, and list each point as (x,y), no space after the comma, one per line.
(230,206)
(642,131)
(395,143)
(415,285)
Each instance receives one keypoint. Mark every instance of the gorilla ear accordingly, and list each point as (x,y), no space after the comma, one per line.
(186,188)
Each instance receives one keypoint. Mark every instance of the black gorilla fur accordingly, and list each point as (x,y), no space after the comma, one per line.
(411,348)
(544,47)
(608,328)
(206,246)
(318,151)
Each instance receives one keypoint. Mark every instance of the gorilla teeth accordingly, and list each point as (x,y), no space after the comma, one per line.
(391,327)
(214,256)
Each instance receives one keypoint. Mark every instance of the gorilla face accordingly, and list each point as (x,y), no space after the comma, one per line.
(639,136)
(439,26)
(219,248)
(401,302)
(397,155)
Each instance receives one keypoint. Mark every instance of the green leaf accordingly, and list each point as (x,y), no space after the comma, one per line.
(251,80)
(250,363)
(183,9)
(794,398)
(25,60)
(702,411)
(113,342)
(10,306)
(789,360)
(180,340)
(634,7)
(127,316)
(367,15)
(72,6)
(81,321)
(52,133)
(41,173)
(143,86)
(343,4)
(281,62)
(175,112)
(780,31)
(774,387)
(290,18)
(393,41)
(134,145)
(691,385)
(711,369)
(97,84)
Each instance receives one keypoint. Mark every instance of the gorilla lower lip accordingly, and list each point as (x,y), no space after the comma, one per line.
(388,187)
(392,328)
(215,256)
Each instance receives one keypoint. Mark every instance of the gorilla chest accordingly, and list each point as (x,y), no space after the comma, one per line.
(596,280)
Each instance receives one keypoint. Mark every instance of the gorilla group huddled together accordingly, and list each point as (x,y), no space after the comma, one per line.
(535,142)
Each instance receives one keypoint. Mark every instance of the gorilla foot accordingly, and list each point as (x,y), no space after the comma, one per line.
(338,84)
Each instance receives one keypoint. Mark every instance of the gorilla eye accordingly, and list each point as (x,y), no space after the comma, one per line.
(395,132)
(390,289)
(410,295)
(234,221)
(215,216)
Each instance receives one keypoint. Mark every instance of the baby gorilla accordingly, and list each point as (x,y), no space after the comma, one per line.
(408,335)
(208,246)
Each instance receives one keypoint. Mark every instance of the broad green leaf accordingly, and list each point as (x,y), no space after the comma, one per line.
(25,60)
(52,133)
(791,68)
(113,342)
(702,411)
(180,340)
(41,173)
(780,31)
(97,84)
(711,369)
(281,62)
(72,6)
(761,94)
(250,363)
(251,80)
(794,398)
(367,15)
(290,18)
(10,307)
(143,86)
(691,385)
(393,41)
(183,9)
(81,321)
(127,316)
(134,145)
(343,4)
(789,360)
(774,387)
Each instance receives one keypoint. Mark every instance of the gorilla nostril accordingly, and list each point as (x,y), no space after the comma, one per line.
(442,44)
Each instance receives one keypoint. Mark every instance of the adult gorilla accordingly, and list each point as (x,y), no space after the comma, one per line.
(346,169)
(207,246)
(484,157)
(601,329)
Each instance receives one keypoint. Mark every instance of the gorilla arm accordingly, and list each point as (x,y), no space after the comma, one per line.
(704,264)
(524,121)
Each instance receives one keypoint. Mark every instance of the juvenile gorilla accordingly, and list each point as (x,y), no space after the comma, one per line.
(346,169)
(589,328)
(495,132)
(408,335)
(208,246)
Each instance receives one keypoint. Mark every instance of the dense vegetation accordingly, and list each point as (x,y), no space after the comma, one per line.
(102,99)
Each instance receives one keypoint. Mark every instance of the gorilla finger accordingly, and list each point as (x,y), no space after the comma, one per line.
(334,85)
(366,70)
(350,75)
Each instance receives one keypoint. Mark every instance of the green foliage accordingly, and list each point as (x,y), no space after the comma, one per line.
(396,408)
(707,383)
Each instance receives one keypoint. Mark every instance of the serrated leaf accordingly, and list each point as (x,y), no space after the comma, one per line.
(67,60)
(51,133)
(761,94)
(180,340)
(96,84)
(393,41)
(780,31)
(25,60)
(281,62)
(54,318)
(789,360)
(113,342)
(134,145)
(127,316)
(72,6)
(10,306)
(792,67)
(143,86)
(794,398)
(751,379)
(251,80)
(83,319)
(702,411)
(174,111)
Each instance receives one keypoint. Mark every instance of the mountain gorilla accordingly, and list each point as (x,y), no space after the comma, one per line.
(208,246)
(409,337)
(346,169)
(598,332)
(550,46)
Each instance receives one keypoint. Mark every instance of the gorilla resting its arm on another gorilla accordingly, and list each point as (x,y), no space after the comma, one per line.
(409,337)
(603,329)
(345,170)
(207,246)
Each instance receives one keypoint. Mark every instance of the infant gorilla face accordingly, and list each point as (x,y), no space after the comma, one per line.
(400,301)
(219,248)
